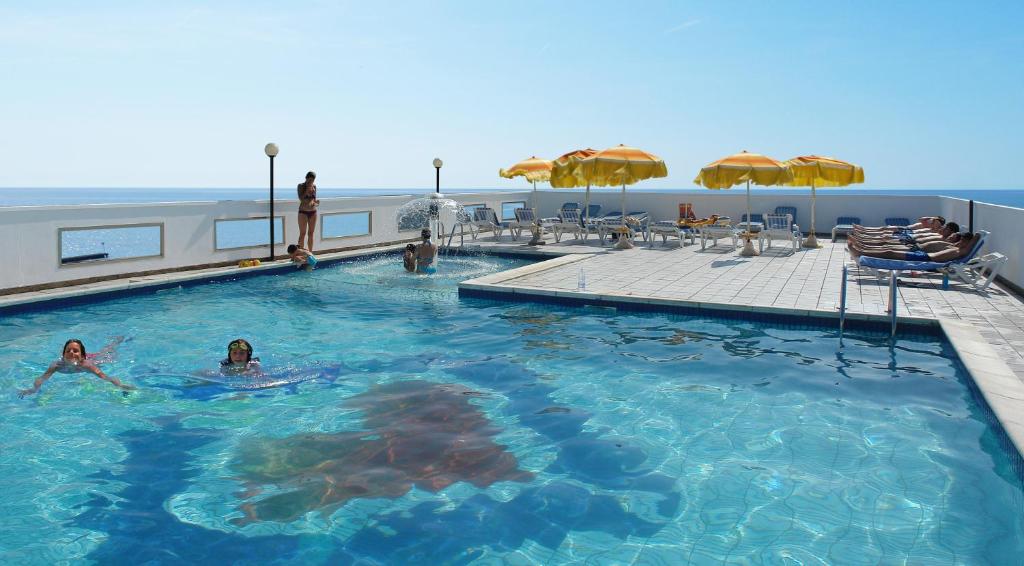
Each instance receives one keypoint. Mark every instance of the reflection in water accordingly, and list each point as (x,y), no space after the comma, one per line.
(415,433)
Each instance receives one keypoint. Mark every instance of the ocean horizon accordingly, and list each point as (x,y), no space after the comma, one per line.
(15,196)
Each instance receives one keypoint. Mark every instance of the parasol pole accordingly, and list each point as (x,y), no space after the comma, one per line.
(586,203)
(748,246)
(623,202)
(812,240)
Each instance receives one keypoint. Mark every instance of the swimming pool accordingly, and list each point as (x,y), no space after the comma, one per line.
(417,427)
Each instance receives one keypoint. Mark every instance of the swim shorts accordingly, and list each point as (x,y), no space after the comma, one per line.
(917,256)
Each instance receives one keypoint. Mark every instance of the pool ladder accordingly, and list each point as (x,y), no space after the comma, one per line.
(893,296)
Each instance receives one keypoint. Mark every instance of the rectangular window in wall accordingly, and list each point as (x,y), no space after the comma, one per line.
(98,243)
(471,208)
(231,233)
(345,224)
(508,209)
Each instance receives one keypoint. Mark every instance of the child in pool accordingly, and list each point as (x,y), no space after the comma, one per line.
(409,258)
(74,360)
(240,359)
(301,257)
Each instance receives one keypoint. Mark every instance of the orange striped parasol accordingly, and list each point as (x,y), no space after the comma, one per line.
(534,169)
(621,165)
(744,167)
(816,171)
(563,174)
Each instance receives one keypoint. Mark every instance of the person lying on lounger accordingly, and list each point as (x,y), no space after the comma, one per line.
(932,223)
(961,249)
(696,222)
(949,234)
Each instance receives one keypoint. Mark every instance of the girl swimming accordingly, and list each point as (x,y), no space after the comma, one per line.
(73,360)
(240,359)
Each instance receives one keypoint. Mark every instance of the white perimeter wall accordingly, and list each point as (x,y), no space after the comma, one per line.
(30,253)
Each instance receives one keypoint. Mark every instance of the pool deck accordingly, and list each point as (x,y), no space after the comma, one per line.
(985,328)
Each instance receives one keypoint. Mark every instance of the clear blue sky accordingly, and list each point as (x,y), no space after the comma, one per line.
(179,94)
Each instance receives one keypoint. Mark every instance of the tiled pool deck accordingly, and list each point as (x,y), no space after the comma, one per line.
(985,328)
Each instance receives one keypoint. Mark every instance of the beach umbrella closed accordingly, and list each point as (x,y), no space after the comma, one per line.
(815,171)
(744,167)
(563,175)
(534,169)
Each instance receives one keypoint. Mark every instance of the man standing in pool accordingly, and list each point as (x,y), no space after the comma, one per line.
(308,204)
(74,360)
(426,253)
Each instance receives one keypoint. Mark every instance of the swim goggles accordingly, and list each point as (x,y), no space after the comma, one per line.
(239,345)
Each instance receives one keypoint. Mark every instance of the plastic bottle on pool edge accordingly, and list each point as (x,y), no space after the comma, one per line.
(581,280)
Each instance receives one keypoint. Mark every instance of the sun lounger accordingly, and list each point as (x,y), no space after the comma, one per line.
(896,221)
(568,222)
(673,228)
(963,268)
(844,225)
(525,218)
(485,220)
(719,230)
(754,226)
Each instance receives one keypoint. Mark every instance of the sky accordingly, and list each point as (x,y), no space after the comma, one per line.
(181,94)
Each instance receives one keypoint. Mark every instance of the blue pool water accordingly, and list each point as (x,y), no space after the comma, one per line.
(412,426)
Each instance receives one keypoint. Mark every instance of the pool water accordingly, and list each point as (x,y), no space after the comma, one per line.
(412,426)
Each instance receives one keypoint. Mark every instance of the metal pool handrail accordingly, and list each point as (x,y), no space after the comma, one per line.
(842,306)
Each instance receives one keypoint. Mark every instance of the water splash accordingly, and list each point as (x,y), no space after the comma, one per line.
(433,211)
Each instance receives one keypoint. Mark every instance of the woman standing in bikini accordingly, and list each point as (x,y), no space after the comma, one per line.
(308,204)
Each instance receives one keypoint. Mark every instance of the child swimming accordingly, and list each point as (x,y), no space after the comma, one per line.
(409,258)
(240,359)
(74,360)
(301,257)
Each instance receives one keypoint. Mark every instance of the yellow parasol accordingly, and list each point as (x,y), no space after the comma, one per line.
(619,165)
(815,171)
(739,167)
(534,169)
(563,175)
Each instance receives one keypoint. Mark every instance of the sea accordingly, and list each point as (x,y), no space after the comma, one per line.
(14,196)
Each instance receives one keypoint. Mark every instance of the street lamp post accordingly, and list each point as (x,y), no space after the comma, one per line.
(437,165)
(271,151)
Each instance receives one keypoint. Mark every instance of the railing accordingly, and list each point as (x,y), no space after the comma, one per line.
(894,281)
(842,306)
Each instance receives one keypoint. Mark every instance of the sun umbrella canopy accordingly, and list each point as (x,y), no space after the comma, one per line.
(563,174)
(814,170)
(621,165)
(743,167)
(534,169)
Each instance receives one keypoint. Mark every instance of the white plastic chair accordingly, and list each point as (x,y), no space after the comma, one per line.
(778,227)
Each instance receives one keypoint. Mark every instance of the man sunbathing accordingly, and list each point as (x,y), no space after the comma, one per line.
(948,234)
(957,251)
(932,223)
